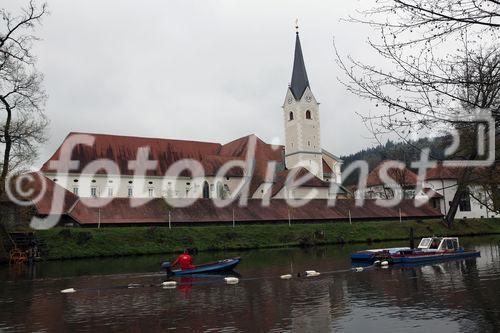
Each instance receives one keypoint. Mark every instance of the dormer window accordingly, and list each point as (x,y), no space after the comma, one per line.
(290,116)
(308,114)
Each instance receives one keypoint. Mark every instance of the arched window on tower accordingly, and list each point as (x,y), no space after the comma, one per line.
(308,114)
(290,116)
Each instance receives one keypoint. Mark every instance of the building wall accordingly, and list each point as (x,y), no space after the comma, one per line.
(305,193)
(144,187)
(336,168)
(447,188)
(378,192)
(302,135)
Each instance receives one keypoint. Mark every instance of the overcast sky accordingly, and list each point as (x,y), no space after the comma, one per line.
(207,70)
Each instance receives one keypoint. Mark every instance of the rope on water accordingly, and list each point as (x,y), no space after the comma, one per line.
(218,279)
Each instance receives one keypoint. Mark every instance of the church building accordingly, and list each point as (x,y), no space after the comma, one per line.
(300,156)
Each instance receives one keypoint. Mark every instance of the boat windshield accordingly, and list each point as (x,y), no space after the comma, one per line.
(450,244)
(424,243)
(435,243)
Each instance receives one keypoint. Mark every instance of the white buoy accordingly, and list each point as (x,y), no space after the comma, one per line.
(231,280)
(169,287)
(312,273)
(286,277)
(169,284)
(134,285)
(384,263)
(68,291)
(358,269)
(376,262)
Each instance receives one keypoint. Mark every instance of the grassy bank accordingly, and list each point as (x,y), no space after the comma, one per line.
(85,243)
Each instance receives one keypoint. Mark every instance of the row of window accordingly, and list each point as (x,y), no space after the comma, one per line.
(308,115)
(130,192)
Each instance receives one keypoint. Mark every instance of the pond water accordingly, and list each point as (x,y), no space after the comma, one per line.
(455,296)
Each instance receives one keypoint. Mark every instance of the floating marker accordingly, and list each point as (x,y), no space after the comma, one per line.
(169,284)
(134,285)
(358,269)
(231,280)
(376,262)
(384,263)
(312,273)
(68,291)
(169,287)
(286,277)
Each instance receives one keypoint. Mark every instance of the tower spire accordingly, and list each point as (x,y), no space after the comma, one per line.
(299,75)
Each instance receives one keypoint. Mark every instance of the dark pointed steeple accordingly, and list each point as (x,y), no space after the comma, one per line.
(299,76)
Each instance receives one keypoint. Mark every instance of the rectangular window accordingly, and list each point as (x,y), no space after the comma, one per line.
(150,192)
(130,192)
(75,190)
(110,191)
(93,192)
(464,203)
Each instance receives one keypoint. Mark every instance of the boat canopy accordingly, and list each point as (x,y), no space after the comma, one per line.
(439,243)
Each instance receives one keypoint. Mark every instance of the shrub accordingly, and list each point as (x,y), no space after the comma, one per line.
(65,233)
(83,237)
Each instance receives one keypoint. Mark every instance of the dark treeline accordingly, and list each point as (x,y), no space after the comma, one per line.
(401,151)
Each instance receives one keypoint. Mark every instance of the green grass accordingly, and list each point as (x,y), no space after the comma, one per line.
(65,243)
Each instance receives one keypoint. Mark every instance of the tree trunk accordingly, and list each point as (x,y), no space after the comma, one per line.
(450,216)
(462,188)
(8,140)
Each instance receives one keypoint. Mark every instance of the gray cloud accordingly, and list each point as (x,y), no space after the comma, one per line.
(196,70)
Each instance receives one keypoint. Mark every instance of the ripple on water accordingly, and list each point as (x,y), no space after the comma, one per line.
(452,296)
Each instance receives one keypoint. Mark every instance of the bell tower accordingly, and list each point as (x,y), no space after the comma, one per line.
(301,117)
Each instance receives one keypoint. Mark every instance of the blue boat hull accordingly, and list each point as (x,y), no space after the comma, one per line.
(360,256)
(434,258)
(220,266)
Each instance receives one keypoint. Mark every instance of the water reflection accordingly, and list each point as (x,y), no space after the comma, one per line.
(450,296)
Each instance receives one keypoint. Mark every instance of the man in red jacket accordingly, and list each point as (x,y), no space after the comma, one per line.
(185,260)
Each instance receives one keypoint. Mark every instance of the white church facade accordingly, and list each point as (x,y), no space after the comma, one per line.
(267,176)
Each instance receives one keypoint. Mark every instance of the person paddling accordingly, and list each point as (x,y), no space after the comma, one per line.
(185,261)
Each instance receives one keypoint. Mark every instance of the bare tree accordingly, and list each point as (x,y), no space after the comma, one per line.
(22,98)
(439,65)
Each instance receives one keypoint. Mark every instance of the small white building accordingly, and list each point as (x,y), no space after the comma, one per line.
(439,188)
(376,188)
(443,180)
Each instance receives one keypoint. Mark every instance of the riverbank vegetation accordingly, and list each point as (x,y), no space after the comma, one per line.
(66,243)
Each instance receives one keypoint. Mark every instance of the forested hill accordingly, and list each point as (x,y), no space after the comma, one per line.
(405,152)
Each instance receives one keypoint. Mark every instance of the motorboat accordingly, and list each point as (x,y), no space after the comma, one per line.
(429,249)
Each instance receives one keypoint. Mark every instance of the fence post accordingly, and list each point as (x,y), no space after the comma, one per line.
(234,223)
(169,220)
(350,219)
(289,218)
(400,218)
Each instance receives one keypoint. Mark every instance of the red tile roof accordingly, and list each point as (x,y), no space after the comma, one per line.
(281,177)
(443,172)
(326,167)
(204,211)
(403,177)
(122,149)
(32,190)
(264,153)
